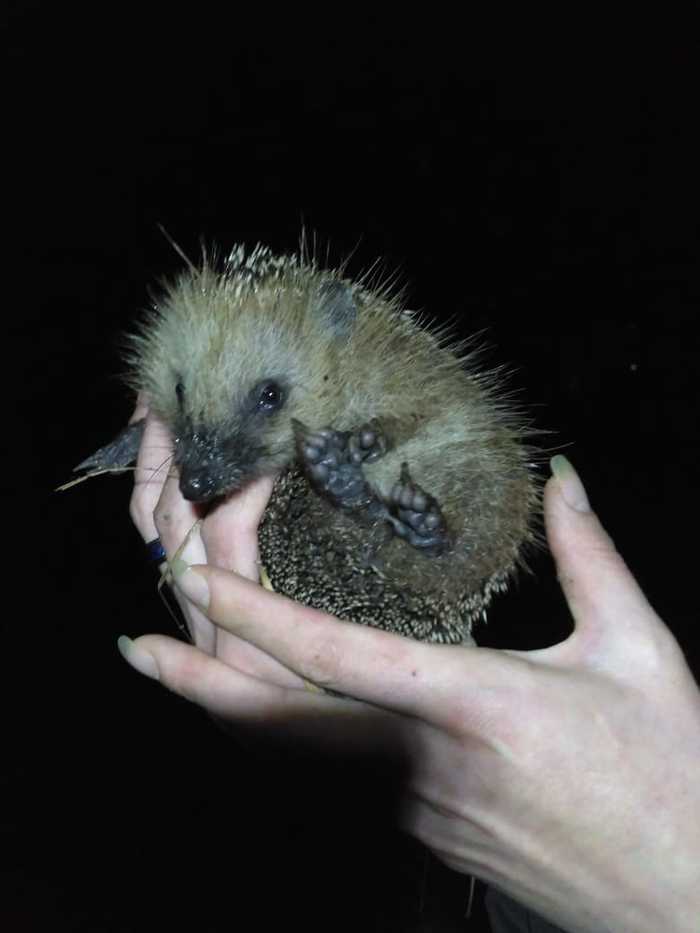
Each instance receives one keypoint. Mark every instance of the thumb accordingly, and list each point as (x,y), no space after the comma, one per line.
(613,619)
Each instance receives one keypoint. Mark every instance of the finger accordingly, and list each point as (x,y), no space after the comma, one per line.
(141,408)
(248,659)
(610,610)
(244,700)
(434,682)
(152,467)
(230,538)
(177,523)
(205,680)
(227,535)
(152,476)
(230,533)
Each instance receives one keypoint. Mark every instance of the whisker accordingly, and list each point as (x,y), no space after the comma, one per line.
(166,576)
(157,469)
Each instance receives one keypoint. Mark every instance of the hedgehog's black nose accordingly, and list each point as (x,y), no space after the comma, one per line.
(197,486)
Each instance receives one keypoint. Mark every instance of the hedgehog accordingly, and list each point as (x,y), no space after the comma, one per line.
(405,490)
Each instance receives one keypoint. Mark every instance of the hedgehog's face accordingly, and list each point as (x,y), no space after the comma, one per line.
(215,458)
(229,396)
(227,369)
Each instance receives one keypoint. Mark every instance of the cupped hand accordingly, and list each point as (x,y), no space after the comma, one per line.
(226,538)
(567,776)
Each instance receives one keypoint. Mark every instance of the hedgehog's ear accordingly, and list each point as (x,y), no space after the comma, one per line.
(337,307)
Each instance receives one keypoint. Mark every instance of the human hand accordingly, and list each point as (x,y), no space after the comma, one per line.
(565,776)
(223,672)
(225,538)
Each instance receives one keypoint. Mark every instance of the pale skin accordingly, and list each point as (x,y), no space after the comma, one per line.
(568,776)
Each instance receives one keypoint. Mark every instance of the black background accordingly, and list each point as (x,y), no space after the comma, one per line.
(533,180)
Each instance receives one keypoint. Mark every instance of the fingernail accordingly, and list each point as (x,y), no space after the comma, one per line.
(190,583)
(570,485)
(140,659)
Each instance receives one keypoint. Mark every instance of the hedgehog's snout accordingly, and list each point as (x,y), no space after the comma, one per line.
(211,464)
(199,460)
(197,485)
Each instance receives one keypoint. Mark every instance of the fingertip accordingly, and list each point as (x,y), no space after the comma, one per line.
(192,582)
(569,518)
(141,407)
(183,668)
(138,657)
(607,604)
(569,484)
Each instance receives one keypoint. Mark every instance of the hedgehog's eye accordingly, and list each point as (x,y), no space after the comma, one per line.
(180,392)
(270,397)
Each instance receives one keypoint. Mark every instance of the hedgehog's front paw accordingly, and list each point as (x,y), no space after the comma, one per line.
(368,443)
(334,466)
(417,517)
